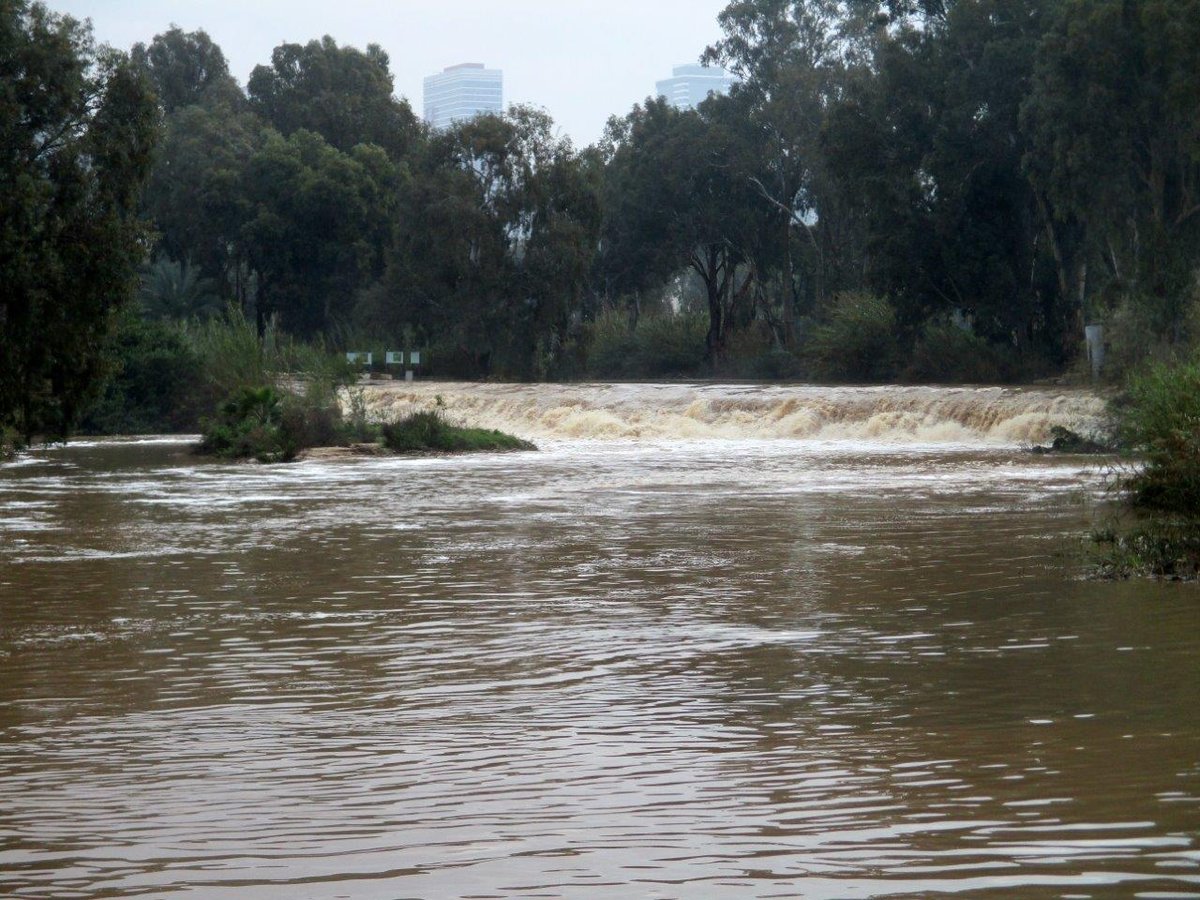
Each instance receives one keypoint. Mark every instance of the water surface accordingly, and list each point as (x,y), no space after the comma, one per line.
(655,668)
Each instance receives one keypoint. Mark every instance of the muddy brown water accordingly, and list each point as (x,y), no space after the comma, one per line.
(678,664)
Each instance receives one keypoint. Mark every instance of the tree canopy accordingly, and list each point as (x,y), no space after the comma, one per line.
(892,189)
(344,94)
(77,132)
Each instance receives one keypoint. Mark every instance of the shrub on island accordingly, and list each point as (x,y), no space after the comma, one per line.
(429,432)
(271,427)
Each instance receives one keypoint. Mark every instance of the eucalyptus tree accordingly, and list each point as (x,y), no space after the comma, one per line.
(314,228)
(677,196)
(344,94)
(186,68)
(933,146)
(494,246)
(792,57)
(1113,119)
(77,131)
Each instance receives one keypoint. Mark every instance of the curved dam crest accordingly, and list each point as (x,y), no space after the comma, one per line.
(998,416)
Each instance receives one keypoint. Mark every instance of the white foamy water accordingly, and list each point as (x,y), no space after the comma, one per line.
(889,415)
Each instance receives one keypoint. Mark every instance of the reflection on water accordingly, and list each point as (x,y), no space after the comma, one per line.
(617,669)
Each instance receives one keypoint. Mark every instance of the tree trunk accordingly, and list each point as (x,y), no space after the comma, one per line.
(789,293)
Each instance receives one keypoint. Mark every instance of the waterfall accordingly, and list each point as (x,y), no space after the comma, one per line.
(893,414)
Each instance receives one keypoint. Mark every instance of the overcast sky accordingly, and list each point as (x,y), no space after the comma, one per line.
(582,60)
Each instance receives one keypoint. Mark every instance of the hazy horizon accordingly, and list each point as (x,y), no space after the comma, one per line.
(581,61)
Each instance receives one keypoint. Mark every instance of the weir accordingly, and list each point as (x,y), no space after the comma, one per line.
(994,416)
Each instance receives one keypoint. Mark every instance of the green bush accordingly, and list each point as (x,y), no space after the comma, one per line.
(232,358)
(153,387)
(612,345)
(262,423)
(10,443)
(1159,416)
(753,352)
(249,425)
(945,353)
(856,341)
(167,374)
(426,432)
(659,346)
(671,345)
(1133,334)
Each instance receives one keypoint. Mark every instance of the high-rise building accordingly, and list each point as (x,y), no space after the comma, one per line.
(463,92)
(691,84)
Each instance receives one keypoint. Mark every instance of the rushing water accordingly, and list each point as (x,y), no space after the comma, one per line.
(666,667)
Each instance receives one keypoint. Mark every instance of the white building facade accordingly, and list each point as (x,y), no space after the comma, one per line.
(462,92)
(691,84)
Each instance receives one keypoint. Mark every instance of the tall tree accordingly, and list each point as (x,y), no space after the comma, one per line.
(186,68)
(317,222)
(792,57)
(934,147)
(1114,125)
(195,195)
(77,130)
(678,198)
(494,245)
(341,93)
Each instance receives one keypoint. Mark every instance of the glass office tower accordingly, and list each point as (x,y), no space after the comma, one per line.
(691,85)
(463,92)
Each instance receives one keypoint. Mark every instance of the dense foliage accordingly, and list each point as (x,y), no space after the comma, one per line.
(1160,417)
(77,129)
(912,189)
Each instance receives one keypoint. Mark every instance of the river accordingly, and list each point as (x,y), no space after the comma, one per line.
(708,642)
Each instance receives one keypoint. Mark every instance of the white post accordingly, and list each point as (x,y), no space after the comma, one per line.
(1095,347)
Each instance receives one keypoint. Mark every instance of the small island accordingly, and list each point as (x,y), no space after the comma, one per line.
(268,425)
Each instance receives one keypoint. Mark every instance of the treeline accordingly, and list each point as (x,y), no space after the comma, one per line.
(916,189)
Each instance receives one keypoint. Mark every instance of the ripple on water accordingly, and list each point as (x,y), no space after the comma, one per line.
(664,670)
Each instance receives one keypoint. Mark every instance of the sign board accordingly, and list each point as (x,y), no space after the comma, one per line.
(396,357)
(365,358)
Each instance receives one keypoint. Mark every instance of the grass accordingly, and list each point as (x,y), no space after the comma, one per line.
(429,432)
(1167,548)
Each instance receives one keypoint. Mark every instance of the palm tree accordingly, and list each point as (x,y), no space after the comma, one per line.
(175,290)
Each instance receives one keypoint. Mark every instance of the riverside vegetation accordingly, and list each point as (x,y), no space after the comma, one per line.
(272,427)
(1159,419)
(283,397)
